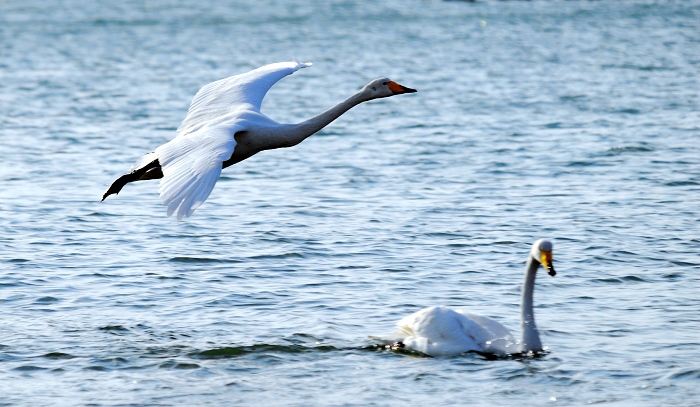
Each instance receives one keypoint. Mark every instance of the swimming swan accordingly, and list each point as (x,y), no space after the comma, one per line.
(224,126)
(441,331)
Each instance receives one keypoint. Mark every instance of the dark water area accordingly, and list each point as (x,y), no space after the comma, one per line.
(576,121)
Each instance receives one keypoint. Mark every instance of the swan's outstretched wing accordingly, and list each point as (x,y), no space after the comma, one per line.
(191,166)
(246,91)
(192,161)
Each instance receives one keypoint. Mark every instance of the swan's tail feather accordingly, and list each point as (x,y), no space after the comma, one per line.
(191,166)
(147,167)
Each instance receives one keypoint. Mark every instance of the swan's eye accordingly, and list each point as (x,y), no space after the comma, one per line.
(385,83)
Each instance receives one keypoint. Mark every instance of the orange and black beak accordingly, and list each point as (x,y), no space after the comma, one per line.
(399,89)
(546,261)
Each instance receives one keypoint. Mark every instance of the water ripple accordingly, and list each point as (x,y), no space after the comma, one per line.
(585,133)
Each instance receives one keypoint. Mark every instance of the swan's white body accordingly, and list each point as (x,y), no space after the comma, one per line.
(441,331)
(224,126)
(192,161)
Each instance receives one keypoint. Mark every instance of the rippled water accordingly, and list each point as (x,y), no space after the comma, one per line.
(576,121)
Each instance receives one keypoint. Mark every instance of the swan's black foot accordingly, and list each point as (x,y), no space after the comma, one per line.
(397,345)
(151,170)
(118,185)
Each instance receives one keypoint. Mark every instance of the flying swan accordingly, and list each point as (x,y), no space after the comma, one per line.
(224,126)
(441,331)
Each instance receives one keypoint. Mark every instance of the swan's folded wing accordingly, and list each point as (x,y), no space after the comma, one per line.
(494,337)
(191,166)
(436,331)
(490,327)
(219,98)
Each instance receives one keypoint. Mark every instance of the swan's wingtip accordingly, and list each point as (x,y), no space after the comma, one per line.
(301,65)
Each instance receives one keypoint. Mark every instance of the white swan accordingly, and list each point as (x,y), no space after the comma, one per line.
(223,127)
(441,331)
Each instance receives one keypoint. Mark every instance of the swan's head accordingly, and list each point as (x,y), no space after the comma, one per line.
(384,87)
(542,253)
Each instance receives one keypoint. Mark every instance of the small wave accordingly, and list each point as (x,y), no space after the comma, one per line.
(277,256)
(629,149)
(582,164)
(96,368)
(646,68)
(186,259)
(655,68)
(684,263)
(395,349)
(445,234)
(178,365)
(619,280)
(687,374)
(352,267)
(58,355)
(681,183)
(47,300)
(634,278)
(103,22)
(554,125)
(672,276)
(238,351)
(99,214)
(567,98)
(29,368)
(167,277)
(628,111)
(113,328)
(194,260)
(615,333)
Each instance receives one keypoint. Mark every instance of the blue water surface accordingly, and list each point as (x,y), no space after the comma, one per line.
(572,120)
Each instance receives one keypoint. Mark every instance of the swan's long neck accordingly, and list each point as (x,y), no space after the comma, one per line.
(296,133)
(531,337)
(274,135)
